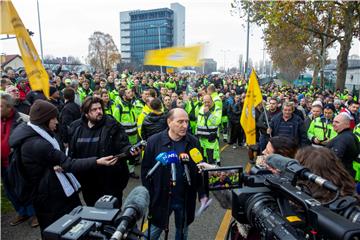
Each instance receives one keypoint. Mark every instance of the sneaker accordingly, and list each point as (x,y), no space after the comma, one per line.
(133,175)
(34,222)
(18,219)
(234,146)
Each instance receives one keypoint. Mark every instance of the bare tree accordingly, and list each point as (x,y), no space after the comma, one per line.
(103,53)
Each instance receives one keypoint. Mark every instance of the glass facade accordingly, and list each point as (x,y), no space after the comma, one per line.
(144,27)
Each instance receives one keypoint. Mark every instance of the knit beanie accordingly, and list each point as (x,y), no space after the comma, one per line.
(42,111)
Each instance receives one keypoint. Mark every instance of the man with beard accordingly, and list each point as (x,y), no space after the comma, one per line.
(95,135)
(124,113)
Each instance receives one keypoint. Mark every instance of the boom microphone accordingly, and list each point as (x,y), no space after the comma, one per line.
(162,158)
(173,158)
(184,158)
(288,164)
(134,209)
(196,155)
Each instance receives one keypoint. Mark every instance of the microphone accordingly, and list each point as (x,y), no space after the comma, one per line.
(184,158)
(196,155)
(288,164)
(173,158)
(162,158)
(134,209)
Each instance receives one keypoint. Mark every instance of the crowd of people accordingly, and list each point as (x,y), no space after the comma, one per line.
(94,117)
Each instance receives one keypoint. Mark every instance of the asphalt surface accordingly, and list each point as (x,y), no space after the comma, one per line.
(206,226)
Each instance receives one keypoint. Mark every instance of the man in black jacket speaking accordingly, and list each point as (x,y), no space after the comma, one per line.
(182,197)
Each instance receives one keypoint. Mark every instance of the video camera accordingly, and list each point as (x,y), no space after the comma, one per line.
(279,209)
(100,221)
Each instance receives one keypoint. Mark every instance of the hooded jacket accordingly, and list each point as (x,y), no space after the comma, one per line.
(153,123)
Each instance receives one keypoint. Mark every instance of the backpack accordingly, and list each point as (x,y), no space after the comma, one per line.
(23,191)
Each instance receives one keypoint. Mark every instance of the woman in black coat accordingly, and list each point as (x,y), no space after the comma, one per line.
(41,158)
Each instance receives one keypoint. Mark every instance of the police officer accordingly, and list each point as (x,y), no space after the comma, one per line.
(208,123)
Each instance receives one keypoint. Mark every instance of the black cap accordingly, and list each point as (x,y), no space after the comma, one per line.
(330,106)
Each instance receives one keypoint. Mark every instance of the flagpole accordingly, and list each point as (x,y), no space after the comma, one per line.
(266,117)
(41,46)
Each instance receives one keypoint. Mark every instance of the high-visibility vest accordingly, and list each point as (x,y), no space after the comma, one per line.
(321,128)
(208,123)
(125,115)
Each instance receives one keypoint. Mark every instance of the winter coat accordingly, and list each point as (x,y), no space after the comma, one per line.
(153,123)
(109,138)
(159,185)
(39,157)
(346,147)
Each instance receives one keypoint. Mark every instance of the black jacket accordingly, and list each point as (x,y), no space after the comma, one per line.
(69,113)
(112,140)
(235,112)
(298,131)
(153,123)
(39,157)
(346,147)
(23,106)
(32,96)
(261,123)
(159,186)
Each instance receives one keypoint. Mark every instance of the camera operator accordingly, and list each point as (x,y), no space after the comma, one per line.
(323,162)
(280,145)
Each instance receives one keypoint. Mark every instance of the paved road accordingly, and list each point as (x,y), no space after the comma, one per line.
(210,225)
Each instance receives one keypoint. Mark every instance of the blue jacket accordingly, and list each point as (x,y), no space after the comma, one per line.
(298,129)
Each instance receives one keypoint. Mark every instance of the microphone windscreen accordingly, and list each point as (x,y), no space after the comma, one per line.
(196,155)
(279,162)
(138,199)
(172,157)
(162,157)
(184,157)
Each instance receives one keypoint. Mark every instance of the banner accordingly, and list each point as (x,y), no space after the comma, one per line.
(35,71)
(174,57)
(253,98)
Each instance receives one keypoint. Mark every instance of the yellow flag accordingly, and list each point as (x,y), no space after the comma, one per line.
(12,24)
(174,57)
(253,98)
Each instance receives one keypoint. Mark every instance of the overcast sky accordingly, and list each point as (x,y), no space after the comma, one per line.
(67,24)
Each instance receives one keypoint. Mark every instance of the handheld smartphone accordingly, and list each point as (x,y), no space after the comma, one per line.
(223,178)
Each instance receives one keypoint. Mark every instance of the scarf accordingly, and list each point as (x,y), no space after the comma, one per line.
(68,181)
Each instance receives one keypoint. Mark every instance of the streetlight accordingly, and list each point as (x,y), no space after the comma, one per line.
(158,27)
(225,58)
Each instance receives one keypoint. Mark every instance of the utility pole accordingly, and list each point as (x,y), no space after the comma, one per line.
(158,28)
(247,44)
(41,46)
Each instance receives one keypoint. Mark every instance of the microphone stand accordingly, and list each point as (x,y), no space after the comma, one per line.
(171,185)
(184,216)
(150,213)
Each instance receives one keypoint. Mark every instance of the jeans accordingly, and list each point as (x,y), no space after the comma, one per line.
(178,209)
(21,210)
